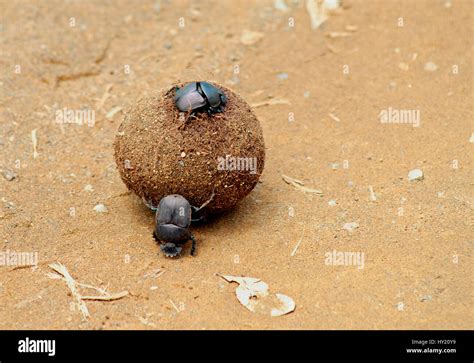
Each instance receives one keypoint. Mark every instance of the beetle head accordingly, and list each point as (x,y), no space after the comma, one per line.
(170,249)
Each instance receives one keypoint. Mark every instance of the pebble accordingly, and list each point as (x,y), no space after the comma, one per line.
(415,174)
(306,94)
(280,5)
(350,226)
(88,188)
(9,175)
(282,76)
(250,37)
(194,13)
(426,298)
(332,202)
(471,140)
(100,208)
(403,66)
(430,67)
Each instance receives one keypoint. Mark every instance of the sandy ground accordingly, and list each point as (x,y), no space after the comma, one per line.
(417,271)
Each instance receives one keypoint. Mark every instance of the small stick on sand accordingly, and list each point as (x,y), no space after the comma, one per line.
(275,101)
(174,305)
(34,140)
(144,320)
(71,283)
(373,198)
(334,117)
(63,274)
(332,48)
(110,115)
(298,184)
(106,297)
(155,273)
(101,101)
(338,34)
(298,244)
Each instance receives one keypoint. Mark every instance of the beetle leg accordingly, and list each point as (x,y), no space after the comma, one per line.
(193,246)
(149,204)
(198,219)
(187,118)
(205,203)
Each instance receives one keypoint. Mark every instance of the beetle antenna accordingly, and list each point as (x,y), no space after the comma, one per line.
(205,203)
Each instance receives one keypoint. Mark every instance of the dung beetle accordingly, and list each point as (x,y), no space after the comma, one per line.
(200,96)
(173,218)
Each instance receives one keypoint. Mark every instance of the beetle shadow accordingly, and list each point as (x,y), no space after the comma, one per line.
(139,208)
(239,214)
(251,207)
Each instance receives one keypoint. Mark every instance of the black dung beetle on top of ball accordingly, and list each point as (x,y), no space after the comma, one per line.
(200,96)
(173,218)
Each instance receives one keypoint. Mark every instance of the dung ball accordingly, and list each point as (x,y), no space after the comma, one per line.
(213,158)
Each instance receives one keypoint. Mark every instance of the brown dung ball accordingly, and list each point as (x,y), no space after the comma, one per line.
(215,158)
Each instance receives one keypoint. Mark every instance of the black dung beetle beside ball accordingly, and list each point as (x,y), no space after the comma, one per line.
(173,218)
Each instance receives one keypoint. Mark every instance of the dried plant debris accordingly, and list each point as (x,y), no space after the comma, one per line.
(351,226)
(319,11)
(63,274)
(101,208)
(335,34)
(298,184)
(110,115)
(254,295)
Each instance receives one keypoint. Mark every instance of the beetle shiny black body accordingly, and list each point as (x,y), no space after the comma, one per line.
(200,96)
(173,218)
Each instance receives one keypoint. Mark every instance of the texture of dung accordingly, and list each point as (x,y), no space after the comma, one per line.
(161,151)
